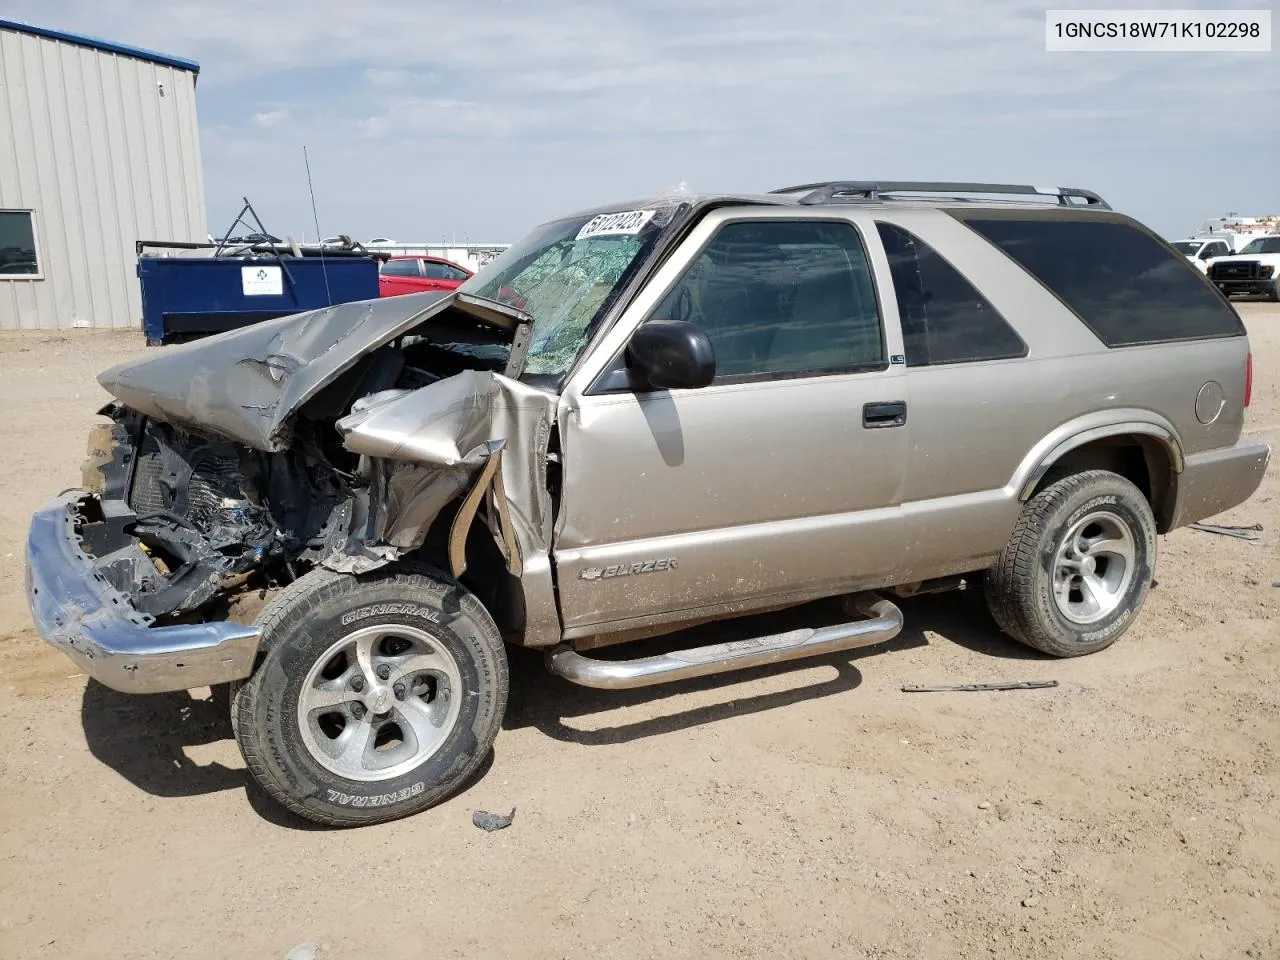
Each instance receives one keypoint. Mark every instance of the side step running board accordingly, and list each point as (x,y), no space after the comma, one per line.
(885,622)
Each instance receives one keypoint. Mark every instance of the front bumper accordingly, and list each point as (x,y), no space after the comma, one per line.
(1246,286)
(1219,480)
(84,616)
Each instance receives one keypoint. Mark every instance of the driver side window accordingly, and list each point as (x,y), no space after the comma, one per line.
(405,267)
(782,299)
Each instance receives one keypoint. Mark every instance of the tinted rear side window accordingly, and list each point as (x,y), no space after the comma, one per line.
(1125,285)
(944,318)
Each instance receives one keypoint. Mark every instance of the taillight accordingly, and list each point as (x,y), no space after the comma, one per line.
(1248,378)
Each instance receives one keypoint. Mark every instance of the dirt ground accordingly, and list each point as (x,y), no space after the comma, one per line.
(1133,811)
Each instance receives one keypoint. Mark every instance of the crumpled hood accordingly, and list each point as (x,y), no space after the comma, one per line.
(246,384)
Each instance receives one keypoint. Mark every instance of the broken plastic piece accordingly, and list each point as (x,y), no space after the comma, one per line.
(490,822)
(467,513)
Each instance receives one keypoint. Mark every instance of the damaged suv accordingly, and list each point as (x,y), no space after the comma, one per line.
(638,419)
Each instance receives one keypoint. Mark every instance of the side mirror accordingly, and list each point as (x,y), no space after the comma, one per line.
(671,355)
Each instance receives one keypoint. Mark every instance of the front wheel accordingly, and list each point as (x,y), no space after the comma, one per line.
(377,697)
(1078,566)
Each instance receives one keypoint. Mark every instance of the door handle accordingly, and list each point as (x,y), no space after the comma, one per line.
(888,414)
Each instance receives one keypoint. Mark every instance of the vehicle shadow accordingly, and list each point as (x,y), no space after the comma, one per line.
(548,703)
(144,739)
(962,618)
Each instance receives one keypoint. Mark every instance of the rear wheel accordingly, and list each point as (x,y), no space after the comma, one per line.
(377,697)
(1078,566)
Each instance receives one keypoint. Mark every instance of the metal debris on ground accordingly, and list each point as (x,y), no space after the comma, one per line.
(966,687)
(490,822)
(1244,533)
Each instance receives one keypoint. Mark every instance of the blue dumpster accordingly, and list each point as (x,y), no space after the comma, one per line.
(189,295)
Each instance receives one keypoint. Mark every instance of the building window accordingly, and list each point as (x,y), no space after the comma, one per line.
(18,244)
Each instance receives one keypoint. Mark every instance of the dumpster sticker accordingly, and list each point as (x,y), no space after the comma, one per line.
(261,281)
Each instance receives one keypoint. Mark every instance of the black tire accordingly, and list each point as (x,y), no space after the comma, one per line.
(304,622)
(1274,294)
(1020,587)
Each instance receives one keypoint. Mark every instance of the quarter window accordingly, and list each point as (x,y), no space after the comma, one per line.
(944,318)
(18,244)
(782,298)
(1127,287)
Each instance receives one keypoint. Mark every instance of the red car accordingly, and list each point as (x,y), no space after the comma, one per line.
(414,274)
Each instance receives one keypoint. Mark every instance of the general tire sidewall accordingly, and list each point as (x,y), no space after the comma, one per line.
(448,614)
(1126,502)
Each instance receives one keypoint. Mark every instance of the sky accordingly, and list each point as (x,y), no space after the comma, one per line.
(427,120)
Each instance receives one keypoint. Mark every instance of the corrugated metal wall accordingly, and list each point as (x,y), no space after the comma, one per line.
(105,157)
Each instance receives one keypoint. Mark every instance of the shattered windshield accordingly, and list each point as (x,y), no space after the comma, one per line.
(565,274)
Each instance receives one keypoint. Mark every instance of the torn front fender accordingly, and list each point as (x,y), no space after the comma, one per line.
(476,430)
(442,424)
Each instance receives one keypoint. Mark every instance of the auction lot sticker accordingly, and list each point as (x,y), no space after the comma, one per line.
(624,224)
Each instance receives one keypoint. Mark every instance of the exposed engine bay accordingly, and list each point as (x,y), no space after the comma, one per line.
(180,518)
(348,438)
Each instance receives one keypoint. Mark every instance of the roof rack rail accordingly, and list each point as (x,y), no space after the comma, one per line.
(873,190)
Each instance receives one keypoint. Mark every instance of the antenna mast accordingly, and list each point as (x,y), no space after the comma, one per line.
(324,267)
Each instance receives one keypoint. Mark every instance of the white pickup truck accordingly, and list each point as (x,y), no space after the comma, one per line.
(1200,250)
(1255,269)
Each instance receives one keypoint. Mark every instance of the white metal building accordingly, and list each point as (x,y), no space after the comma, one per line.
(103,150)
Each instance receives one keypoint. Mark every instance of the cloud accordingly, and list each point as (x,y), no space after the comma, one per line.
(422,118)
(377,77)
(270,118)
(437,118)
